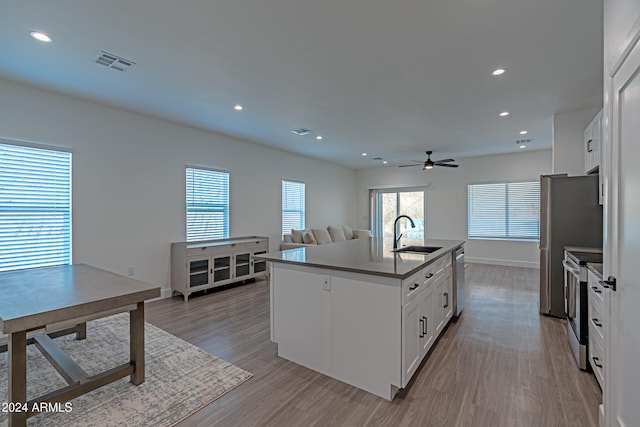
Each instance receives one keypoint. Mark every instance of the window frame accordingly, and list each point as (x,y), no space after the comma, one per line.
(286,226)
(507,214)
(57,229)
(194,235)
(375,217)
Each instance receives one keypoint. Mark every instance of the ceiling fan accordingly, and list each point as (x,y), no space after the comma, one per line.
(429,164)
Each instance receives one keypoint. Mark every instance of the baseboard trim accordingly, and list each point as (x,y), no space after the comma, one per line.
(505,262)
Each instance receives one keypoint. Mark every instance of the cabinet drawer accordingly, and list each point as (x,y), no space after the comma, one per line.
(411,287)
(596,324)
(206,251)
(596,360)
(596,292)
(438,266)
(202,251)
(428,274)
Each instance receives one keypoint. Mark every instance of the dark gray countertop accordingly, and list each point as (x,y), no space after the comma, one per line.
(366,255)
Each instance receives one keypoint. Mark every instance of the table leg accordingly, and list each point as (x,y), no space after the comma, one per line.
(17,349)
(81,332)
(136,343)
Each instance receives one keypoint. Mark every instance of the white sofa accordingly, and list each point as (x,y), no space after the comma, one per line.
(321,236)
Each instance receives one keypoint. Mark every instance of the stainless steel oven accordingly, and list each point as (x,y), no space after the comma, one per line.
(575,301)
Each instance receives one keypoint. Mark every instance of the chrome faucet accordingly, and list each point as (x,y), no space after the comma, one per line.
(395,227)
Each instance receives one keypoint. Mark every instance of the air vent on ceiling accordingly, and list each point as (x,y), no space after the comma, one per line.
(113,61)
(301,131)
(524,141)
(377,158)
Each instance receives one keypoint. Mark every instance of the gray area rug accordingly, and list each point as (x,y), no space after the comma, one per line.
(179,378)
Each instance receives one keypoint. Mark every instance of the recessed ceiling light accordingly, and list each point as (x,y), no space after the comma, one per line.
(523,146)
(319,137)
(38,35)
(523,132)
(238,107)
(504,114)
(384,162)
(364,154)
(499,71)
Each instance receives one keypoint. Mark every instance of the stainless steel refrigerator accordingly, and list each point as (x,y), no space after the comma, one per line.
(569,216)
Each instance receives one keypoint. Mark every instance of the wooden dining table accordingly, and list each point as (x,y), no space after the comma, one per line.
(38,305)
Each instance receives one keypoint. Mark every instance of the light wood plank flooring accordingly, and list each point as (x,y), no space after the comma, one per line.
(501,364)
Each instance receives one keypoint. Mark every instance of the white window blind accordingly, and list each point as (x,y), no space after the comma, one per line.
(508,210)
(292,206)
(35,207)
(207,204)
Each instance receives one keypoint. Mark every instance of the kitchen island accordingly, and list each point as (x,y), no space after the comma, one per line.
(359,312)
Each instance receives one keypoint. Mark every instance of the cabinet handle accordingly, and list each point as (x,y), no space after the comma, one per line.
(412,288)
(428,276)
(421,328)
(589,149)
(595,362)
(425,325)
(446,296)
(596,289)
(597,322)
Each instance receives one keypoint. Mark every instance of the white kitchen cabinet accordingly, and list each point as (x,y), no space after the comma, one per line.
(196,266)
(427,311)
(412,333)
(597,326)
(428,333)
(418,324)
(592,145)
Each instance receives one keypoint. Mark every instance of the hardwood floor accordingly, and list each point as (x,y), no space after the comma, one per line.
(501,364)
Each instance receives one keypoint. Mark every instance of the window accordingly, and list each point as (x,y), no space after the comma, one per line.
(292,206)
(35,207)
(207,204)
(387,204)
(508,210)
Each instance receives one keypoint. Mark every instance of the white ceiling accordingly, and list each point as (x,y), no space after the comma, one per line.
(390,78)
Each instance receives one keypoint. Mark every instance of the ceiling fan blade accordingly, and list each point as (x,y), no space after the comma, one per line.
(446,165)
(444,161)
(408,166)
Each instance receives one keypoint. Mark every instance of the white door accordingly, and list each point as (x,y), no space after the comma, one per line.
(623,378)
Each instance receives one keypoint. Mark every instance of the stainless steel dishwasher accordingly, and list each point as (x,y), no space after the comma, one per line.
(458,281)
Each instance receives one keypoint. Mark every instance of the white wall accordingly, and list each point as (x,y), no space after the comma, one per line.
(568,140)
(129,179)
(446,199)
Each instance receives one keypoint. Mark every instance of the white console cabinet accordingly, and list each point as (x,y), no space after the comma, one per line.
(196,266)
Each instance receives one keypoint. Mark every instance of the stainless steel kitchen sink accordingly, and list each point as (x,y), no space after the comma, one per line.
(419,249)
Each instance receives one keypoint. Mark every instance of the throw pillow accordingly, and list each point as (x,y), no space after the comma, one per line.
(322,235)
(287,238)
(296,235)
(348,232)
(337,233)
(362,233)
(308,238)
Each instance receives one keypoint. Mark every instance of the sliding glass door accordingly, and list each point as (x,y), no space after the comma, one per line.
(387,204)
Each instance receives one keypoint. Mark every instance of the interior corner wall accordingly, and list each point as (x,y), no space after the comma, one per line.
(446,200)
(568,140)
(129,179)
